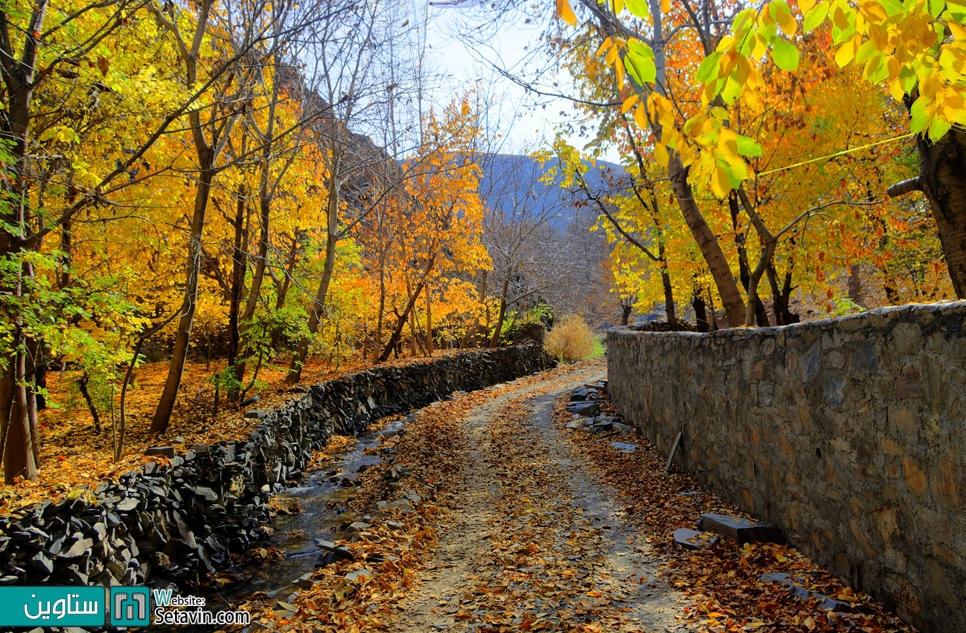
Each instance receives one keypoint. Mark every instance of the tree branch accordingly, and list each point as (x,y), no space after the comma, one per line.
(904,187)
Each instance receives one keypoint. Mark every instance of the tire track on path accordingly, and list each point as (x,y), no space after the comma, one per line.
(534,544)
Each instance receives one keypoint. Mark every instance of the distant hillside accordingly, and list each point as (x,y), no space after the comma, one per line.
(513,182)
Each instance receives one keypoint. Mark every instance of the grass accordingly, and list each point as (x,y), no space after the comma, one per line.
(573,340)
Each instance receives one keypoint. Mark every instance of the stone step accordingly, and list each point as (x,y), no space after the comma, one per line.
(740,530)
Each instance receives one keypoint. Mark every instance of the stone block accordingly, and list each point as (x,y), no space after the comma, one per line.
(907,338)
(796,589)
(915,478)
(739,529)
(586,409)
(909,384)
(694,540)
(163,451)
(903,421)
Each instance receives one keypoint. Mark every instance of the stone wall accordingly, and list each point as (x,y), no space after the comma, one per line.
(849,433)
(174,523)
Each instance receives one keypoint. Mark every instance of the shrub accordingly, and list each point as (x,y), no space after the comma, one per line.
(571,340)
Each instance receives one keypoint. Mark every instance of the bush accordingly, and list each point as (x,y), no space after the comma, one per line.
(572,340)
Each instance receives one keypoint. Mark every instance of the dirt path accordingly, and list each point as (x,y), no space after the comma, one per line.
(518,524)
(535,545)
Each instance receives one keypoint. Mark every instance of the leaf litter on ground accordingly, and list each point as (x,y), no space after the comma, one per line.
(724,582)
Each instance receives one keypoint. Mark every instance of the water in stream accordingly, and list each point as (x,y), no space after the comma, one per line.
(321,497)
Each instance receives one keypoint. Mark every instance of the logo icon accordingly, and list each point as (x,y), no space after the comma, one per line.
(130,606)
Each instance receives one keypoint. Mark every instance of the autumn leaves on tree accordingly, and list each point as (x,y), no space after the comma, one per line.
(769,129)
(173,167)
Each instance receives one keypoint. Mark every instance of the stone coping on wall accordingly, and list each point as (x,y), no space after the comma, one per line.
(174,523)
(849,433)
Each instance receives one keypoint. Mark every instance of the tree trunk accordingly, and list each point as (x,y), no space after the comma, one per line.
(429,322)
(781,297)
(317,307)
(734,305)
(380,318)
(942,177)
(400,324)
(239,263)
(414,341)
(16,425)
(82,387)
(281,292)
(162,416)
(744,269)
(755,306)
(700,314)
(855,285)
(497,331)
(258,277)
(668,289)
(18,453)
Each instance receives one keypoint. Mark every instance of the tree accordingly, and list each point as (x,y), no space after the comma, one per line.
(525,246)
(210,133)
(345,49)
(438,228)
(912,49)
(60,56)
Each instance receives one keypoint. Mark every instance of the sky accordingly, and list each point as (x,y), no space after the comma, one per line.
(534,119)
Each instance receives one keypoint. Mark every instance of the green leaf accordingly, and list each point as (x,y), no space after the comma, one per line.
(938,129)
(919,118)
(816,16)
(639,62)
(637,7)
(767,31)
(640,48)
(742,22)
(729,169)
(709,67)
(731,91)
(785,55)
(640,67)
(892,7)
(748,147)
(865,51)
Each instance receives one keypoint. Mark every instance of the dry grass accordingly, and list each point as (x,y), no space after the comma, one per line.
(571,340)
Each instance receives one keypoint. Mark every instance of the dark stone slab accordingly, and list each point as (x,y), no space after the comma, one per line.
(796,589)
(164,451)
(78,548)
(692,539)
(128,504)
(586,409)
(624,447)
(740,530)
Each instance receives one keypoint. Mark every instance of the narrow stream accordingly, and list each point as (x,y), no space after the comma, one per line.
(322,496)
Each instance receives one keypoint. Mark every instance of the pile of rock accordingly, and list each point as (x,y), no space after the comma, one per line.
(585,407)
(176,522)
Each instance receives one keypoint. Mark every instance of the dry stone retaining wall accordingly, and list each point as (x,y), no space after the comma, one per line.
(173,523)
(849,433)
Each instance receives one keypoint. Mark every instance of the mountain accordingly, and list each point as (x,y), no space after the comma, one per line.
(515,184)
